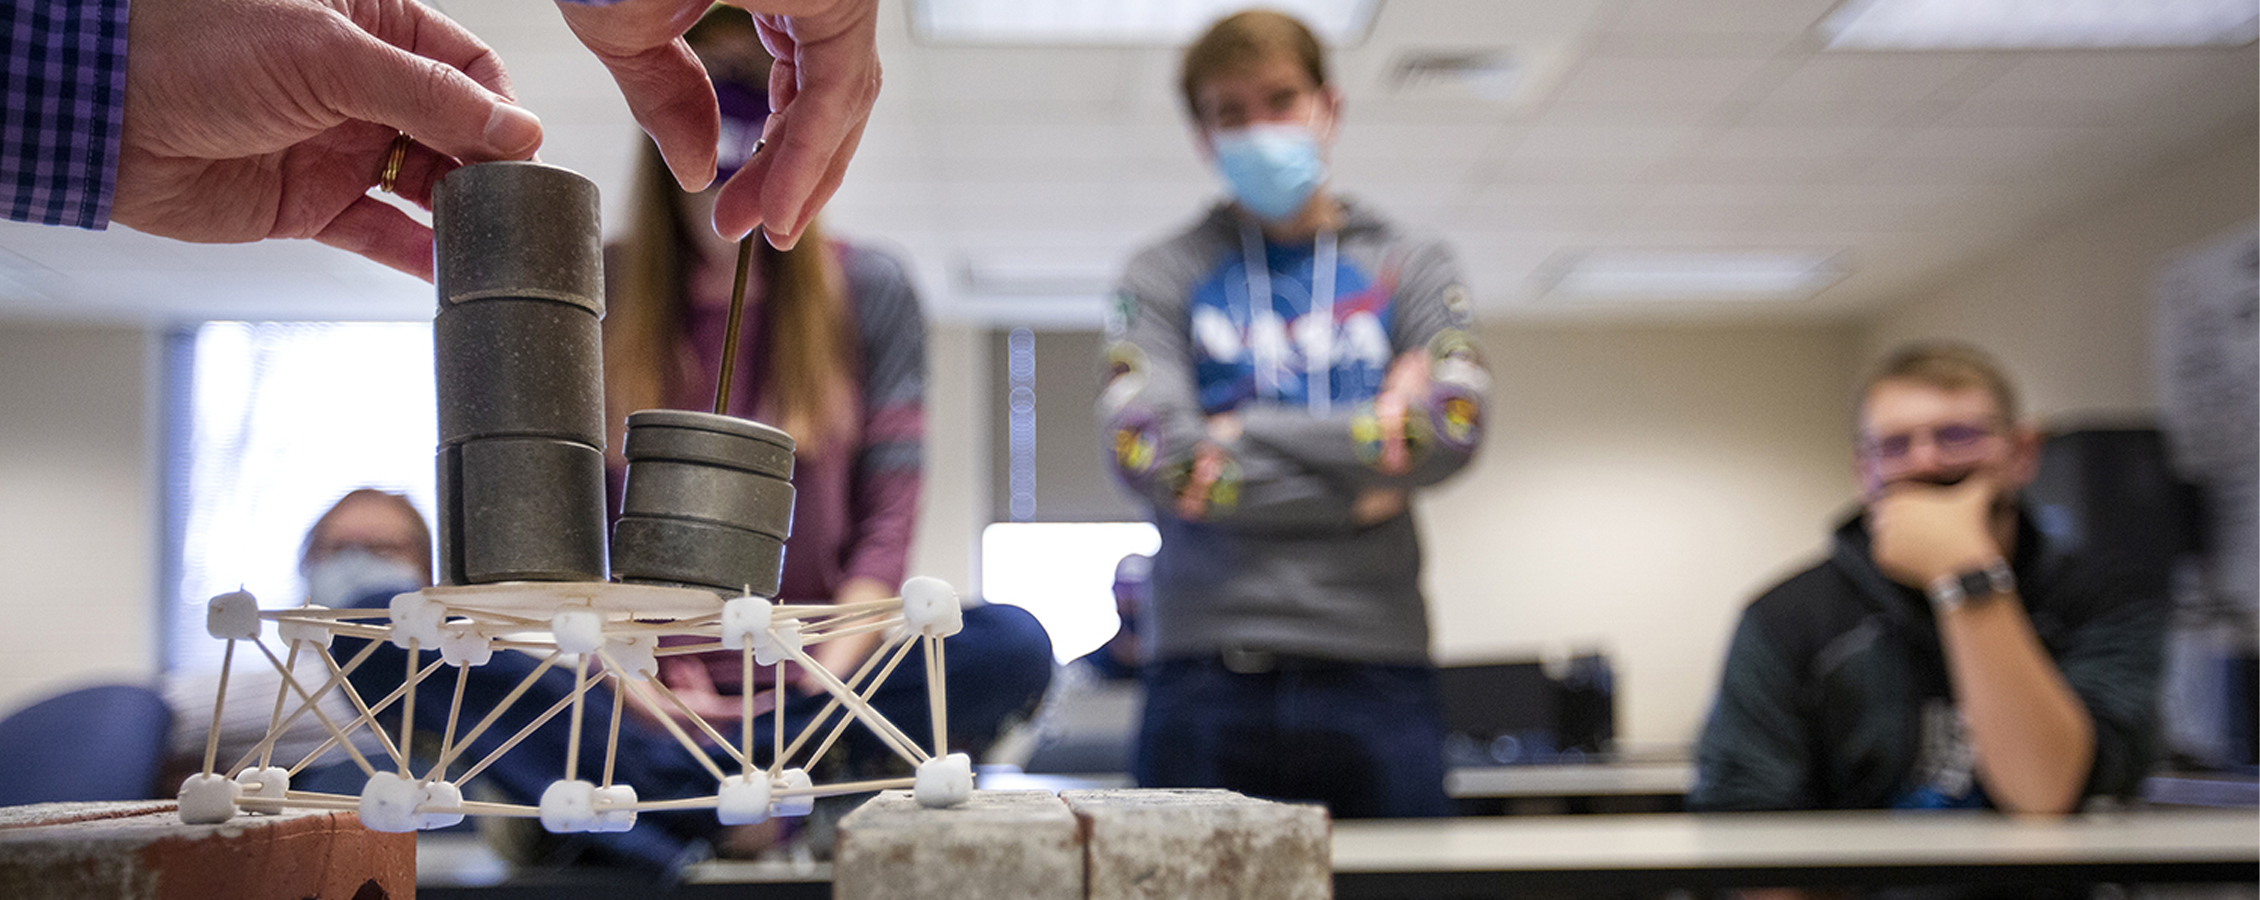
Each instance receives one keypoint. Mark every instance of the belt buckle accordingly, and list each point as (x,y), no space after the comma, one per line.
(1243,661)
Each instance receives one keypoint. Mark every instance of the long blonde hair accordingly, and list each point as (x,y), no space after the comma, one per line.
(803,314)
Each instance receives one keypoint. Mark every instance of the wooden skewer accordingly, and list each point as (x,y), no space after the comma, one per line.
(845,787)
(937,711)
(886,730)
(573,732)
(856,682)
(835,634)
(408,712)
(212,741)
(612,742)
(523,685)
(337,734)
(699,721)
(745,714)
(522,734)
(893,653)
(688,649)
(274,720)
(821,610)
(454,712)
(696,751)
(337,678)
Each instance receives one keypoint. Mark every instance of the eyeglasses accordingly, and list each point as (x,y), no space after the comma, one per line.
(1954,442)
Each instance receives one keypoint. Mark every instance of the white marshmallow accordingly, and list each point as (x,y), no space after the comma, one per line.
(416,618)
(798,805)
(745,619)
(637,654)
(944,781)
(615,808)
(776,644)
(577,631)
(389,802)
(461,645)
(568,807)
(208,799)
(233,616)
(444,795)
(929,607)
(743,799)
(264,782)
(318,635)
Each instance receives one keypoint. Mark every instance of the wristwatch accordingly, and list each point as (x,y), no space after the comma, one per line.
(1949,592)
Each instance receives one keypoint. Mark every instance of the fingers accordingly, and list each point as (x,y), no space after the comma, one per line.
(667,90)
(377,230)
(442,106)
(666,87)
(415,28)
(822,92)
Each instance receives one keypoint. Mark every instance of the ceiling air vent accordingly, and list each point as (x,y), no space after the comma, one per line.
(1488,75)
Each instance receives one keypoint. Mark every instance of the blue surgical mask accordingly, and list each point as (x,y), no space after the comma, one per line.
(356,577)
(1272,169)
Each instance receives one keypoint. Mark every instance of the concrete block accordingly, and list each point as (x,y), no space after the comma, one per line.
(1196,844)
(999,845)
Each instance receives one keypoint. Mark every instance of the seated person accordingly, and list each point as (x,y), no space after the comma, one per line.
(364,549)
(1117,659)
(1943,655)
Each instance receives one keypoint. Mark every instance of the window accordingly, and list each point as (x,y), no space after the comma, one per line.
(271,423)
(1063,574)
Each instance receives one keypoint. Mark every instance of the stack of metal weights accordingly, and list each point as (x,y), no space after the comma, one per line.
(519,353)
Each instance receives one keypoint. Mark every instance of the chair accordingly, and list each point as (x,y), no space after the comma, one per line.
(98,743)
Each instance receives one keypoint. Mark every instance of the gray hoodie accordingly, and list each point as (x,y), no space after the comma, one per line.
(1275,562)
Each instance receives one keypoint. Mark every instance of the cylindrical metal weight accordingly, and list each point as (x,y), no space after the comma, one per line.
(659,488)
(511,367)
(526,509)
(517,229)
(700,554)
(710,439)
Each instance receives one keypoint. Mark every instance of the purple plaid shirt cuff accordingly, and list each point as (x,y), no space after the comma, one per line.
(65,85)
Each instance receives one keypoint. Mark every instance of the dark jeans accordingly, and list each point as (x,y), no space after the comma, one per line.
(998,666)
(1366,740)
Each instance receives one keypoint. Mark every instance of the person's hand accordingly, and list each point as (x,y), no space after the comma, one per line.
(687,677)
(1208,466)
(1403,389)
(842,656)
(1918,532)
(1377,505)
(254,119)
(820,94)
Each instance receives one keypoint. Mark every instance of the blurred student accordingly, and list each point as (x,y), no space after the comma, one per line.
(368,546)
(832,349)
(1943,655)
(1283,375)
(1118,658)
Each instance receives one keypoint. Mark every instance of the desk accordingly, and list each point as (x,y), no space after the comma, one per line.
(1658,779)
(1621,854)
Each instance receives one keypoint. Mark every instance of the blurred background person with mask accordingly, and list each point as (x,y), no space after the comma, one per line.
(364,549)
(1282,376)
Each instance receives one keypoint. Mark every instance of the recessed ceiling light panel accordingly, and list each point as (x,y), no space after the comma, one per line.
(1168,23)
(1617,275)
(2038,24)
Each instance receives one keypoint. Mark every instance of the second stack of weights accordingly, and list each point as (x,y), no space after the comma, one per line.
(709,502)
(518,348)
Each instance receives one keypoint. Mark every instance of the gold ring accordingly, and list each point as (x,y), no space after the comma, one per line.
(393,160)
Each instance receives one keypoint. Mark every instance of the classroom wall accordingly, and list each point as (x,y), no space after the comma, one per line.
(1638,487)
(79,509)
(2069,311)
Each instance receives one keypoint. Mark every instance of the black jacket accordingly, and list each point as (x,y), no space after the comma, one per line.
(1835,691)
